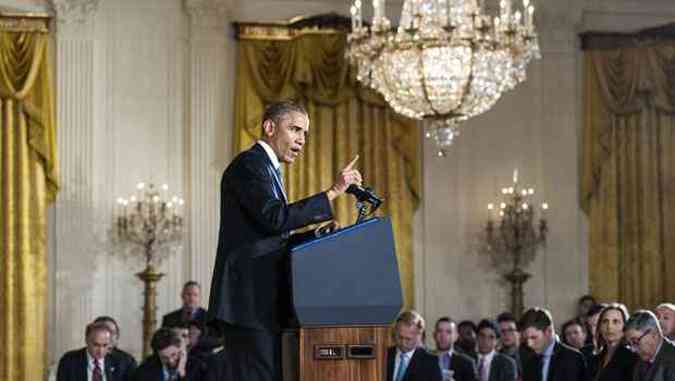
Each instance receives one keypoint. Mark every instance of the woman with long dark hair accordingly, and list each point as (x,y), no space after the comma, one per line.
(614,360)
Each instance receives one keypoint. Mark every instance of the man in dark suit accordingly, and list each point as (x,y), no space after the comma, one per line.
(249,290)
(191,310)
(127,362)
(408,361)
(459,365)
(552,360)
(93,362)
(169,361)
(510,341)
(492,365)
(657,354)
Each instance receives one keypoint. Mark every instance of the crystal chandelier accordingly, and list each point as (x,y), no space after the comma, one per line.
(447,60)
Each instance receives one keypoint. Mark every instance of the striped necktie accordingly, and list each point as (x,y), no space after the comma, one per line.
(403,364)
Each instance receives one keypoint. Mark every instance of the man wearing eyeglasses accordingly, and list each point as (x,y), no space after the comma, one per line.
(643,332)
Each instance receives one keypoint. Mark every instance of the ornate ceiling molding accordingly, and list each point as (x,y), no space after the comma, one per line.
(75,11)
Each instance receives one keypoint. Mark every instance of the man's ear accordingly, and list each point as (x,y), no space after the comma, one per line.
(268,128)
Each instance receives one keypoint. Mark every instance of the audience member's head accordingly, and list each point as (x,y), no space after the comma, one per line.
(98,338)
(536,327)
(182,330)
(191,295)
(113,327)
(196,331)
(167,346)
(610,325)
(643,333)
(488,336)
(467,335)
(408,330)
(574,333)
(584,304)
(592,319)
(445,334)
(509,328)
(666,314)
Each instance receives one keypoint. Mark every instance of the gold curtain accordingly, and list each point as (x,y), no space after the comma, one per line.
(345,120)
(628,172)
(29,182)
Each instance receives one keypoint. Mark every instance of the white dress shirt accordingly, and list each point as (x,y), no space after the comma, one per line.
(90,367)
(397,363)
(487,361)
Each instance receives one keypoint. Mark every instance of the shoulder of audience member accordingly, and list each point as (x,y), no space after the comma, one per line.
(73,354)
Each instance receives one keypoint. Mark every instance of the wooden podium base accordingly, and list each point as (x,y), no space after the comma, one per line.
(336,353)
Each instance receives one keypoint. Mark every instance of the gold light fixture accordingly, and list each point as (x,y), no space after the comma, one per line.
(153,222)
(447,60)
(513,236)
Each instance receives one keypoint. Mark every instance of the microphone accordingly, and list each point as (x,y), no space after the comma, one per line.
(364,195)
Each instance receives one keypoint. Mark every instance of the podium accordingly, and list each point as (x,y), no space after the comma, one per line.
(346,292)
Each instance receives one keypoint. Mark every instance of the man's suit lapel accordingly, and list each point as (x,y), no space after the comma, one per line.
(391,361)
(410,370)
(553,363)
(82,369)
(110,369)
(277,182)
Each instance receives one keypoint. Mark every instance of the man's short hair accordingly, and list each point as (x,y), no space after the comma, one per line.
(467,323)
(536,317)
(444,319)
(191,283)
(585,298)
(96,327)
(164,338)
(669,306)
(643,320)
(277,110)
(596,309)
(108,319)
(411,318)
(491,324)
(506,317)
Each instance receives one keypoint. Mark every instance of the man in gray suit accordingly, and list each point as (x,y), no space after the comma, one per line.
(657,354)
(492,365)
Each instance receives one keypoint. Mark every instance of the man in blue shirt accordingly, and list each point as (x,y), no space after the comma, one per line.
(552,360)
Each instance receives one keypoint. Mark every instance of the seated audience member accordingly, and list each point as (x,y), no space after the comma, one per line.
(510,343)
(555,361)
(201,344)
(216,367)
(169,361)
(458,365)
(182,330)
(93,362)
(574,334)
(127,362)
(592,324)
(190,310)
(657,355)
(492,365)
(666,314)
(614,361)
(407,361)
(467,339)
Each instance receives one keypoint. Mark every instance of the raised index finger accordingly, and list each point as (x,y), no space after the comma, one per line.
(351,163)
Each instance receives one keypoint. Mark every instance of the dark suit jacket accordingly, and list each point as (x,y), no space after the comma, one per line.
(151,370)
(423,366)
(175,318)
(619,368)
(462,366)
(73,367)
(503,368)
(567,364)
(663,368)
(515,355)
(249,286)
(127,363)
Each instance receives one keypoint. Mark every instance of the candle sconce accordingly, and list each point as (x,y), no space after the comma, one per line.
(513,235)
(153,222)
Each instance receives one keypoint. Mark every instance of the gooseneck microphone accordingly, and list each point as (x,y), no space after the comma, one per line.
(365,195)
